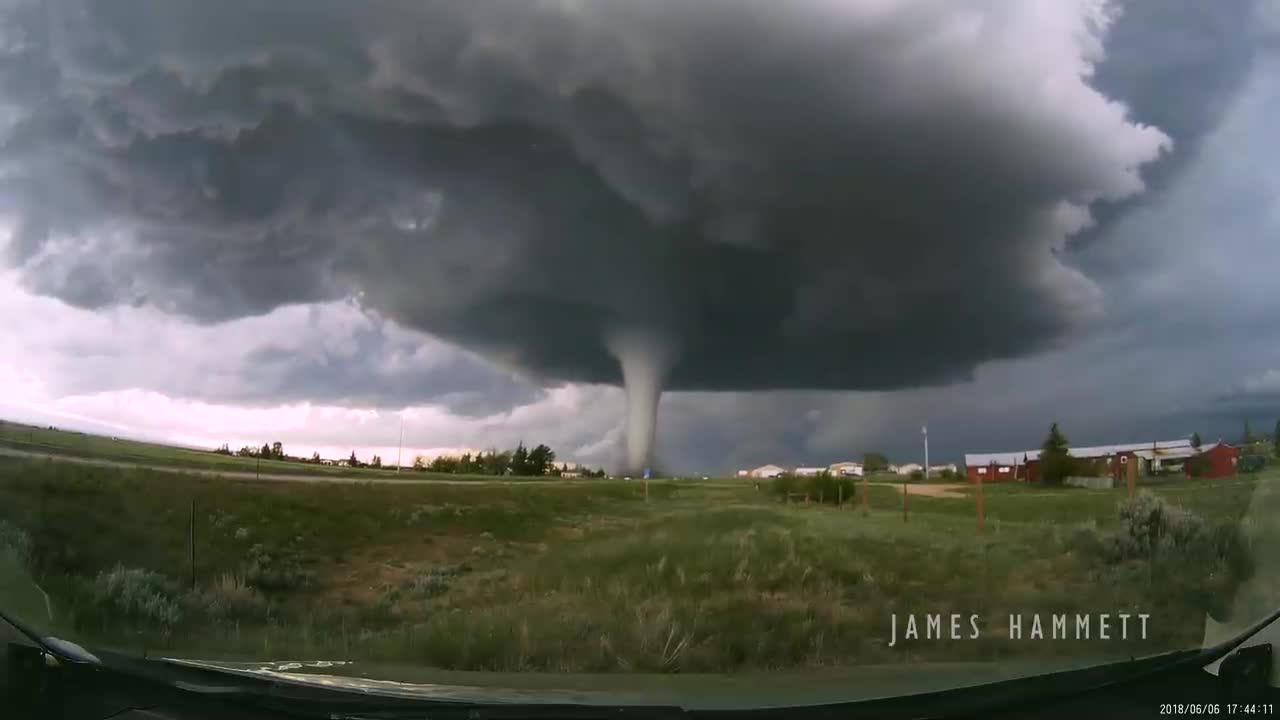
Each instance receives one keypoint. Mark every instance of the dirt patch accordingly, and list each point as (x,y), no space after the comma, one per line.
(938,490)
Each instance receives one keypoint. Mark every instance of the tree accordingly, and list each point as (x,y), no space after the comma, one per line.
(520,461)
(315,457)
(376,462)
(1248,434)
(541,460)
(353,461)
(1055,457)
(874,462)
(1195,440)
(277,450)
(1275,440)
(224,450)
(419,463)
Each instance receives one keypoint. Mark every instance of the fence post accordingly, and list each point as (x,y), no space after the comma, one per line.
(981,510)
(820,495)
(192,543)
(839,495)
(904,501)
(866,500)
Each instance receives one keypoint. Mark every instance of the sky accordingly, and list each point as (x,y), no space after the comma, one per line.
(813,227)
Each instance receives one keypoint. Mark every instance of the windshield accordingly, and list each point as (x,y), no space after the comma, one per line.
(531,342)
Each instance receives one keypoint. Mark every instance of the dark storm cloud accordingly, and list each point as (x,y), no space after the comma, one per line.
(374,371)
(822,194)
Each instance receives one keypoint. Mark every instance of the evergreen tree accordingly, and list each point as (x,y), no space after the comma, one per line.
(1055,457)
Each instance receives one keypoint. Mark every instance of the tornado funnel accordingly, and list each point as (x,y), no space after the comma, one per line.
(645,359)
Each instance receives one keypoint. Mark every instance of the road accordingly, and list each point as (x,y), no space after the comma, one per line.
(939,490)
(408,478)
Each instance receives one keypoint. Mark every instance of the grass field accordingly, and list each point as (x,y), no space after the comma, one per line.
(592,577)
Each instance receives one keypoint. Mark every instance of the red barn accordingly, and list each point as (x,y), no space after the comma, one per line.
(1108,460)
(1220,460)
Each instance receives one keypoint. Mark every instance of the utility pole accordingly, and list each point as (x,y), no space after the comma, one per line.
(924,430)
(400,448)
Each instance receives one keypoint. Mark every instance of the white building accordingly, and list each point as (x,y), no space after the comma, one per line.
(767,471)
(744,473)
(939,469)
(846,469)
(909,468)
(810,471)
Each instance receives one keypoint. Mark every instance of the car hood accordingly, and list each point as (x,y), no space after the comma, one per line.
(693,691)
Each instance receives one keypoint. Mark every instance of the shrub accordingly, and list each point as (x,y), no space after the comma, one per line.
(784,485)
(15,543)
(434,581)
(230,597)
(1180,551)
(275,571)
(138,595)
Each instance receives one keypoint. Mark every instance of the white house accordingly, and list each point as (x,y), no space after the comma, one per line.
(744,473)
(909,468)
(767,471)
(846,469)
(939,469)
(810,471)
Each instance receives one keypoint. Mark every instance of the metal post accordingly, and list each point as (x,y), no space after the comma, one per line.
(981,510)
(924,430)
(192,543)
(400,449)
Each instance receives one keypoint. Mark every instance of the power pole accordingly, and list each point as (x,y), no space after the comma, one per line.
(924,430)
(400,448)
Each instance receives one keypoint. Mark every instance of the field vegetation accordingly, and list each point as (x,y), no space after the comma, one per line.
(602,576)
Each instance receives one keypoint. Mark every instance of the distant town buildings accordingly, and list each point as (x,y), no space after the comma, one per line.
(767,471)
(1161,456)
(846,469)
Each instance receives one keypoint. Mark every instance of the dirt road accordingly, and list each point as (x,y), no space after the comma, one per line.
(938,490)
(408,478)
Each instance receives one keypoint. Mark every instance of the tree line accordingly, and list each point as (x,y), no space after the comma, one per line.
(537,461)
(524,462)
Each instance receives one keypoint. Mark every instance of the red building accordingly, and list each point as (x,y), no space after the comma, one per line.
(1220,460)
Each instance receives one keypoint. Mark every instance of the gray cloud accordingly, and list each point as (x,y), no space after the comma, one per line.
(323,354)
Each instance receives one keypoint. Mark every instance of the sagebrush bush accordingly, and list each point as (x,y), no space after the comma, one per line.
(139,595)
(434,581)
(280,570)
(230,597)
(1172,548)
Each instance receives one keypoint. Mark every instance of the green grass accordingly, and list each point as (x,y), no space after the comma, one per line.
(591,577)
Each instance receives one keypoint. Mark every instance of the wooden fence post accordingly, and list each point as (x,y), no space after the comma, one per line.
(192,543)
(981,510)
